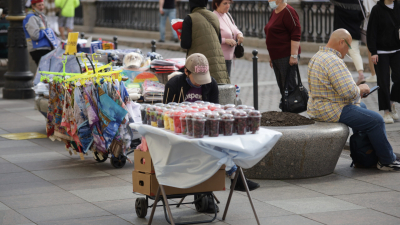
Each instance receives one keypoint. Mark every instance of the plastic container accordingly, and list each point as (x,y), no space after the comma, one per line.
(255,121)
(221,112)
(214,107)
(171,120)
(189,124)
(213,120)
(227,106)
(160,117)
(149,108)
(203,108)
(177,122)
(248,110)
(195,106)
(206,113)
(228,121)
(250,107)
(231,111)
(199,102)
(199,122)
(240,123)
(159,104)
(241,107)
(186,103)
(173,104)
(166,118)
(206,104)
(153,118)
(143,113)
(184,127)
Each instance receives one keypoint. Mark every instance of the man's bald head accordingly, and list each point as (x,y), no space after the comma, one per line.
(340,40)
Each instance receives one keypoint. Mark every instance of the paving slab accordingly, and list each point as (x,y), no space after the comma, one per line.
(3,160)
(91,183)
(3,207)
(34,157)
(21,177)
(17,143)
(337,185)
(100,220)
(62,212)
(373,200)
(40,200)
(22,150)
(17,189)
(277,220)
(48,165)
(10,217)
(25,126)
(313,205)
(10,168)
(390,210)
(69,173)
(284,192)
(354,217)
(118,207)
(105,194)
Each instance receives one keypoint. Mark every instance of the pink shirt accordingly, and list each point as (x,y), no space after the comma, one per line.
(227,28)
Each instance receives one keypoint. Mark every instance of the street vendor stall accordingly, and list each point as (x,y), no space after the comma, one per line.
(181,161)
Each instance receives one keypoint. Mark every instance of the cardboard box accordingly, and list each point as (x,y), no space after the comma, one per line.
(143,162)
(147,184)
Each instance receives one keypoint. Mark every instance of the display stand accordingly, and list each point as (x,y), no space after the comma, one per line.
(161,189)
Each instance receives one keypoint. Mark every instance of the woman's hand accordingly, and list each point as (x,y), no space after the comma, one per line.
(374,59)
(240,38)
(293,61)
(230,42)
(270,64)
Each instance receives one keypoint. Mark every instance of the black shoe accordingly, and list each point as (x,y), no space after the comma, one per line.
(240,187)
(161,40)
(176,40)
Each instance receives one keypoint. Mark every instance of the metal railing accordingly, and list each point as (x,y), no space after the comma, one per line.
(78,20)
(317,20)
(250,16)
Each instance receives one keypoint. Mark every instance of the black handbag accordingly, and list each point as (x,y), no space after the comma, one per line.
(239,49)
(295,101)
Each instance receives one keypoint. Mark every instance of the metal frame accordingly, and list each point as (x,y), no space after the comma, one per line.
(168,209)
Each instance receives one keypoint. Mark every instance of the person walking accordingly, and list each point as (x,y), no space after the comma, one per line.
(201,34)
(67,14)
(348,15)
(383,40)
(34,26)
(368,4)
(282,33)
(167,9)
(230,34)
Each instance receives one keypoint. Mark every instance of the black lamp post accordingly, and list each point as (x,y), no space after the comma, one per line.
(18,79)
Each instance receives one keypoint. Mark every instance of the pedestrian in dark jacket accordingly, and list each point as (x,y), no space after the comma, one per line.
(349,15)
(383,40)
(201,34)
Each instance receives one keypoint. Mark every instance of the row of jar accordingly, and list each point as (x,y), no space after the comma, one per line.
(199,121)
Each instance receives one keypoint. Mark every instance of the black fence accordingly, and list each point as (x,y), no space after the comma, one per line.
(78,20)
(250,16)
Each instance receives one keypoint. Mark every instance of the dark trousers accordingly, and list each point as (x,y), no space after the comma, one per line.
(228,66)
(281,69)
(387,62)
(37,55)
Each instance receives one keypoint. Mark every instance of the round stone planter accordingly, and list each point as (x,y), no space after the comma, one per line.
(302,152)
(227,94)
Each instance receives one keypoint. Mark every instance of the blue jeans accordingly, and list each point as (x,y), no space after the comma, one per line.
(370,122)
(231,171)
(171,13)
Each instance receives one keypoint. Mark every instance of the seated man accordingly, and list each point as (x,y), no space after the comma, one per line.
(335,97)
(197,84)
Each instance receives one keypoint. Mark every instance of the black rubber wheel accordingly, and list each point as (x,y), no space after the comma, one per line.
(141,207)
(201,205)
(96,157)
(118,162)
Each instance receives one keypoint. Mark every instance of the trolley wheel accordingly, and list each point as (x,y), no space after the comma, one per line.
(141,207)
(118,162)
(202,204)
(96,157)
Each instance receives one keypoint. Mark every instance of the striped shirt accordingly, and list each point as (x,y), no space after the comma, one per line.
(331,86)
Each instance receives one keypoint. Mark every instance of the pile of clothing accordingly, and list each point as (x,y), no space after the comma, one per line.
(152,91)
(91,116)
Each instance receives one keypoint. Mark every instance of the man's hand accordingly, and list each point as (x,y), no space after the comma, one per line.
(161,11)
(240,38)
(230,42)
(374,59)
(293,61)
(270,64)
(364,89)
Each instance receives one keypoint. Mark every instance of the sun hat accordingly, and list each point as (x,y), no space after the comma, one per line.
(133,60)
(197,64)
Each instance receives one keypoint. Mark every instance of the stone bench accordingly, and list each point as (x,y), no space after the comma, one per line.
(302,152)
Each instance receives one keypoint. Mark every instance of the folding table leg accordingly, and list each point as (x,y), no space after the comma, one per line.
(154,206)
(216,199)
(230,195)
(248,193)
(180,202)
(167,205)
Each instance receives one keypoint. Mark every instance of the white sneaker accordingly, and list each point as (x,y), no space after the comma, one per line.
(387,117)
(371,79)
(394,166)
(394,114)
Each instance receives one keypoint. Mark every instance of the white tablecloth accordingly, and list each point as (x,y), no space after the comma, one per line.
(183,162)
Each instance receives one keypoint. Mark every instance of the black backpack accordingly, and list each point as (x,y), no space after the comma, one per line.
(361,151)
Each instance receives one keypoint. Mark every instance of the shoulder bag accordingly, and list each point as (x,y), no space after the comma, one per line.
(58,10)
(296,101)
(239,49)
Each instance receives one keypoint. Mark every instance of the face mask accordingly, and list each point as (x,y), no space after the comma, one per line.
(273,5)
(191,84)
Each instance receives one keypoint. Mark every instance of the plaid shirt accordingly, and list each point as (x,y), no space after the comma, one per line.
(331,86)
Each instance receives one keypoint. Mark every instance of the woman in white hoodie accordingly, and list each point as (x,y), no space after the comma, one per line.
(368,4)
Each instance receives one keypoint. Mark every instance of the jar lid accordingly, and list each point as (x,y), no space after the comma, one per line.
(213,115)
(173,103)
(241,107)
(178,112)
(186,103)
(198,116)
(159,104)
(255,113)
(227,116)
(227,106)
(199,102)
(240,113)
